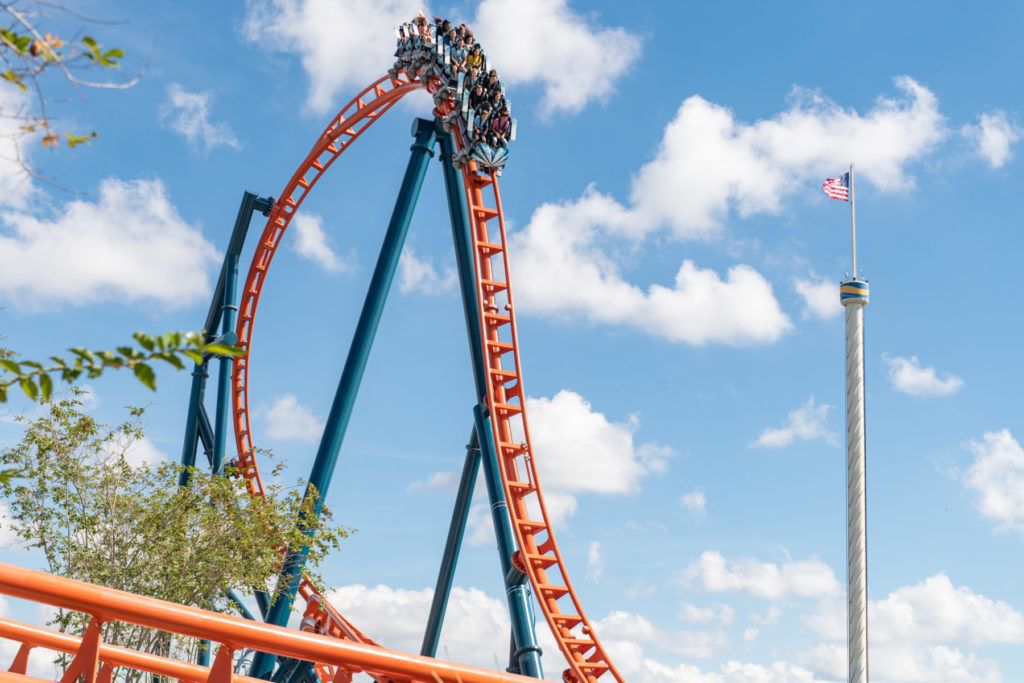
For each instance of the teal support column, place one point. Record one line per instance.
(526, 655)
(348, 386)
(223, 417)
(450, 558)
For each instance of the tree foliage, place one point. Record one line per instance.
(97, 516)
(35, 59)
(35, 380)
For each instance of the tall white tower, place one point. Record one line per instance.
(853, 294)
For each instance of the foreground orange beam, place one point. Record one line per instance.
(46, 639)
(235, 633)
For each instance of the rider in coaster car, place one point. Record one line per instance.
(497, 100)
(473, 77)
(477, 96)
(481, 123)
(492, 81)
(475, 60)
(500, 128)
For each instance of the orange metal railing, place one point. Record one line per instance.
(232, 633)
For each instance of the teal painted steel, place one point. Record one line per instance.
(355, 364)
(527, 654)
(196, 422)
(525, 658)
(223, 416)
(450, 558)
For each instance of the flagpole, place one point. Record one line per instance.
(853, 294)
(853, 224)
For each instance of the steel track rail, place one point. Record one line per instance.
(538, 556)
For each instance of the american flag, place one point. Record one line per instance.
(838, 187)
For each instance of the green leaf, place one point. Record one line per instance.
(172, 359)
(46, 385)
(194, 355)
(146, 375)
(30, 388)
(86, 40)
(223, 350)
(3, 393)
(144, 340)
(10, 366)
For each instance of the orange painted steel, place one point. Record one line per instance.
(538, 554)
(36, 637)
(233, 633)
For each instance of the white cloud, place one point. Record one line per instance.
(708, 162)
(696, 502)
(438, 481)
(137, 452)
(621, 631)
(997, 476)
(589, 57)
(418, 275)
(595, 562)
(993, 136)
(808, 578)
(14, 147)
(475, 626)
(692, 614)
(806, 423)
(8, 539)
(580, 451)
(287, 419)
(821, 297)
(188, 114)
(907, 375)
(129, 245)
(358, 34)
(915, 632)
(311, 243)
(560, 269)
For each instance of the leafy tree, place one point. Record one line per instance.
(34, 59)
(97, 516)
(34, 377)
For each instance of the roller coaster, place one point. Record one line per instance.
(327, 648)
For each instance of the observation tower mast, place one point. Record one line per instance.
(853, 294)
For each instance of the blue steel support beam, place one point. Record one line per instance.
(348, 386)
(193, 429)
(223, 416)
(527, 653)
(456, 530)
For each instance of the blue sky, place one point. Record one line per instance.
(676, 268)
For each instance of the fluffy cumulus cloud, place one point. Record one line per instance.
(917, 633)
(562, 271)
(997, 477)
(574, 59)
(289, 420)
(993, 137)
(357, 34)
(907, 375)
(806, 423)
(136, 452)
(579, 451)
(821, 297)
(129, 245)
(311, 243)
(709, 162)
(595, 561)
(419, 275)
(360, 35)
(692, 614)
(714, 573)
(475, 626)
(188, 114)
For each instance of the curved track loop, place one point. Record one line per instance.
(538, 557)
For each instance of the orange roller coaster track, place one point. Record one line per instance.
(538, 556)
